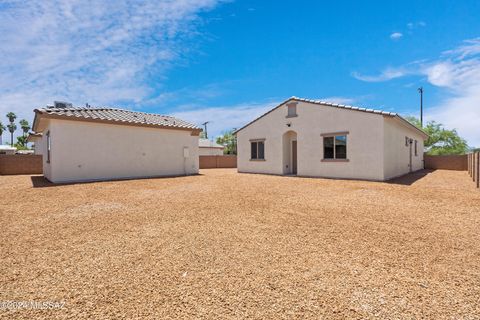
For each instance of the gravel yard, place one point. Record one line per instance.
(229, 245)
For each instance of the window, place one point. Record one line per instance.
(49, 146)
(257, 150)
(406, 141)
(340, 147)
(416, 151)
(291, 110)
(328, 147)
(335, 147)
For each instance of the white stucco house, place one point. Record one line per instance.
(7, 149)
(320, 139)
(209, 148)
(36, 139)
(90, 144)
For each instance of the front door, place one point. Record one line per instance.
(294, 157)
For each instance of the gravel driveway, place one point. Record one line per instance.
(229, 245)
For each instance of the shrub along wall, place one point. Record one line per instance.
(225, 161)
(21, 164)
(452, 162)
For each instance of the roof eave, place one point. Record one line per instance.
(263, 115)
(412, 126)
(39, 115)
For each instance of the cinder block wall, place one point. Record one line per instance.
(21, 164)
(453, 162)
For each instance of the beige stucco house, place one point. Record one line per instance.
(89, 144)
(320, 139)
(36, 139)
(209, 148)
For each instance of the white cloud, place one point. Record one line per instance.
(225, 117)
(458, 72)
(396, 35)
(387, 74)
(338, 100)
(101, 52)
(414, 25)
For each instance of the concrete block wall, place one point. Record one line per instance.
(20, 164)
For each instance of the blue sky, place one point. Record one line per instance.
(228, 62)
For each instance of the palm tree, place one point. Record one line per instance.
(11, 127)
(11, 117)
(2, 128)
(25, 126)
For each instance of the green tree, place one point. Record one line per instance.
(25, 126)
(11, 117)
(441, 141)
(228, 140)
(11, 127)
(415, 121)
(21, 143)
(2, 128)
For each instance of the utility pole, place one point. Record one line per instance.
(205, 126)
(421, 106)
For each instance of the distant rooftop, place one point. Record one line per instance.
(7, 147)
(205, 143)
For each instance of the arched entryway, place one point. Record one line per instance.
(290, 154)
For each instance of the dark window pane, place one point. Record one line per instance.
(253, 153)
(328, 147)
(341, 147)
(261, 150)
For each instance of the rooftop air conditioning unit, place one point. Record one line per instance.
(62, 104)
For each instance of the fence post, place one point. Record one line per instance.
(474, 167)
(474, 171)
(471, 165)
(478, 169)
(468, 163)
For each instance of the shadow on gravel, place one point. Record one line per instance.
(410, 178)
(42, 182)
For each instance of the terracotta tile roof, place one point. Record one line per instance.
(118, 116)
